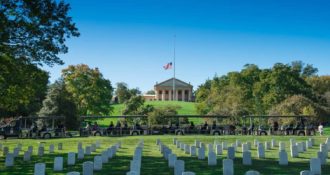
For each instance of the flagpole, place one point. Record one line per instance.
(174, 94)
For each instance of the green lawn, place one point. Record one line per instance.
(186, 108)
(154, 163)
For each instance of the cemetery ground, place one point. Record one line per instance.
(152, 160)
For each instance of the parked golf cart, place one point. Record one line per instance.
(10, 127)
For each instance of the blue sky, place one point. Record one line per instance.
(130, 41)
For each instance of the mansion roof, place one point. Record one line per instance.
(169, 83)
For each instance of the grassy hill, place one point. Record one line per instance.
(186, 107)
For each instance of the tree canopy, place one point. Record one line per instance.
(35, 30)
(90, 91)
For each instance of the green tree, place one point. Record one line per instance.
(59, 102)
(122, 92)
(151, 92)
(163, 116)
(133, 105)
(90, 91)
(35, 30)
(23, 86)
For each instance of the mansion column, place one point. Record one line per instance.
(183, 94)
(176, 95)
(189, 95)
(170, 95)
(163, 95)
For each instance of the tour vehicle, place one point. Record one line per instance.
(300, 125)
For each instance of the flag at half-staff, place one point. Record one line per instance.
(168, 66)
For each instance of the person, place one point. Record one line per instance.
(275, 126)
(110, 128)
(320, 129)
(251, 129)
(205, 126)
(214, 125)
(118, 125)
(192, 126)
(95, 127)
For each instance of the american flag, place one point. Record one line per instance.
(168, 66)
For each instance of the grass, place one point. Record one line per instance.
(152, 160)
(187, 108)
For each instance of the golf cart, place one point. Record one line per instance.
(10, 127)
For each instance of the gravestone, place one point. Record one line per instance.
(16, 152)
(267, 145)
(197, 143)
(218, 149)
(234, 146)
(41, 151)
(135, 165)
(249, 145)
(210, 147)
(324, 149)
(98, 144)
(312, 141)
(5, 151)
(81, 153)
(245, 147)
(212, 159)
(294, 151)
(39, 169)
(281, 146)
(255, 142)
(201, 153)
(110, 153)
(186, 149)
(97, 163)
(273, 143)
(131, 173)
(315, 166)
(178, 143)
(88, 168)
(27, 156)
(304, 146)
(157, 141)
(174, 141)
(228, 167)
(71, 158)
(261, 151)
(178, 167)
(292, 142)
(58, 164)
(41, 144)
(188, 173)
(322, 157)
(51, 148)
(309, 144)
(182, 146)
(251, 172)
(231, 153)
(60, 146)
(88, 150)
(192, 150)
(30, 149)
(73, 173)
(9, 160)
(283, 158)
(224, 145)
(305, 172)
(247, 158)
(80, 146)
(202, 145)
(105, 157)
(300, 147)
(93, 147)
(238, 143)
(171, 160)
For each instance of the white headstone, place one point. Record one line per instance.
(267, 145)
(261, 151)
(210, 147)
(309, 144)
(281, 146)
(249, 145)
(105, 157)
(88, 168)
(192, 150)
(80, 146)
(273, 143)
(255, 142)
(245, 147)
(178, 143)
(231, 153)
(71, 158)
(283, 158)
(9, 160)
(27, 156)
(58, 164)
(98, 144)
(300, 147)
(16, 152)
(39, 169)
(110, 154)
(171, 160)
(197, 143)
(41, 151)
(174, 141)
(212, 159)
(157, 141)
(30, 149)
(51, 148)
(218, 149)
(312, 141)
(93, 147)
(322, 157)
(238, 143)
(247, 158)
(60, 146)
(81, 153)
(315, 166)
(88, 150)
(73, 173)
(178, 167)
(251, 172)
(97, 163)
(201, 153)
(294, 151)
(305, 172)
(182, 146)
(186, 149)
(228, 167)
(224, 145)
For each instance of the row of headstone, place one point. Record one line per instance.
(135, 164)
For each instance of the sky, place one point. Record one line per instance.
(130, 41)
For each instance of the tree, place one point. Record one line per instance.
(151, 92)
(22, 87)
(59, 102)
(90, 91)
(163, 116)
(122, 92)
(133, 104)
(35, 30)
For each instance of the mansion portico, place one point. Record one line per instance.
(164, 91)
